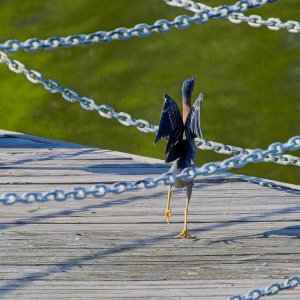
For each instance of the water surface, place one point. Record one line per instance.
(249, 76)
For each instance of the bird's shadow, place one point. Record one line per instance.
(290, 231)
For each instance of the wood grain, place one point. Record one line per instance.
(118, 247)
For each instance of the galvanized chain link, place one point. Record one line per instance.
(188, 174)
(237, 18)
(126, 119)
(270, 290)
(203, 14)
(271, 23)
(285, 159)
(123, 33)
(270, 184)
(70, 95)
(195, 7)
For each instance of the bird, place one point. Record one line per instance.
(180, 132)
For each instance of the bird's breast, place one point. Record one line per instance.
(180, 183)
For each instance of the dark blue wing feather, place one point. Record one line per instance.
(171, 125)
(192, 124)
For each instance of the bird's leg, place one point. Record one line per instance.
(168, 211)
(184, 233)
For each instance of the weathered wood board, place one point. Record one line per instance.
(119, 247)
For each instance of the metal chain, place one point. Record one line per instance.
(70, 95)
(188, 174)
(271, 23)
(285, 159)
(126, 119)
(270, 290)
(269, 184)
(237, 18)
(141, 30)
(203, 14)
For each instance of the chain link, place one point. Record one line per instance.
(270, 290)
(126, 119)
(271, 23)
(203, 14)
(269, 184)
(188, 174)
(242, 156)
(70, 95)
(285, 159)
(237, 18)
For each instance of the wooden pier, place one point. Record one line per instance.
(118, 247)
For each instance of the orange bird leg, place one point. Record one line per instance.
(184, 233)
(168, 211)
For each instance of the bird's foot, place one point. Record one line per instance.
(184, 234)
(167, 216)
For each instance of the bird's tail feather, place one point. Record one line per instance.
(180, 149)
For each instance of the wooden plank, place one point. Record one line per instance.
(119, 247)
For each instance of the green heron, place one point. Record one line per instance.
(180, 132)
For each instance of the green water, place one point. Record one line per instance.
(249, 76)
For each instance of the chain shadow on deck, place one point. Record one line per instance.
(48, 158)
(125, 201)
(67, 265)
(122, 169)
(72, 263)
(109, 203)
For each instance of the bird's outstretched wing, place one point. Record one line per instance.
(192, 124)
(170, 126)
